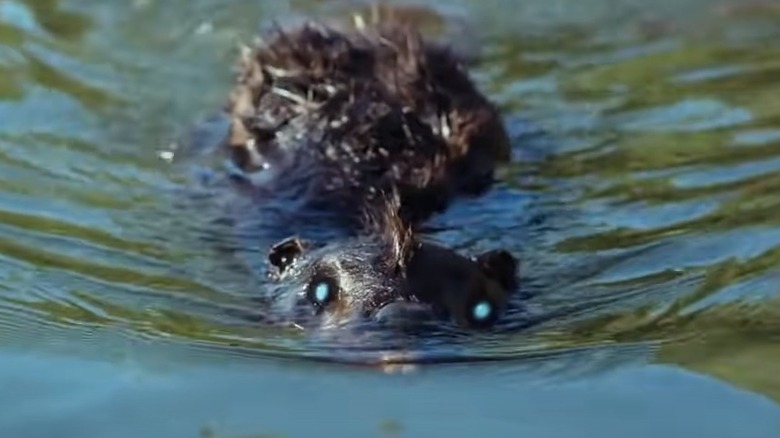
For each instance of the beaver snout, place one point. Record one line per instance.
(404, 314)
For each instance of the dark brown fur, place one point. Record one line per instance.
(382, 110)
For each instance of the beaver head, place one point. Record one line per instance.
(388, 276)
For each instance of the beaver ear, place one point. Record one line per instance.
(284, 253)
(501, 266)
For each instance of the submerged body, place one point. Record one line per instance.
(332, 119)
(366, 133)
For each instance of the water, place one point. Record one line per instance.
(643, 207)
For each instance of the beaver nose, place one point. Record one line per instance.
(404, 313)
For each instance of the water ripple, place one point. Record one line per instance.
(644, 210)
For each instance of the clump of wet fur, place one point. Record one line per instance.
(382, 218)
(352, 114)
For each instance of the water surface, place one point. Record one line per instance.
(643, 204)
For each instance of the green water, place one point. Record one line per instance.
(644, 206)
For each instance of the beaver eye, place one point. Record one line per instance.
(322, 291)
(482, 313)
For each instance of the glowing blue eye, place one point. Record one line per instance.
(482, 310)
(322, 292)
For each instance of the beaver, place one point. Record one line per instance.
(389, 274)
(367, 131)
